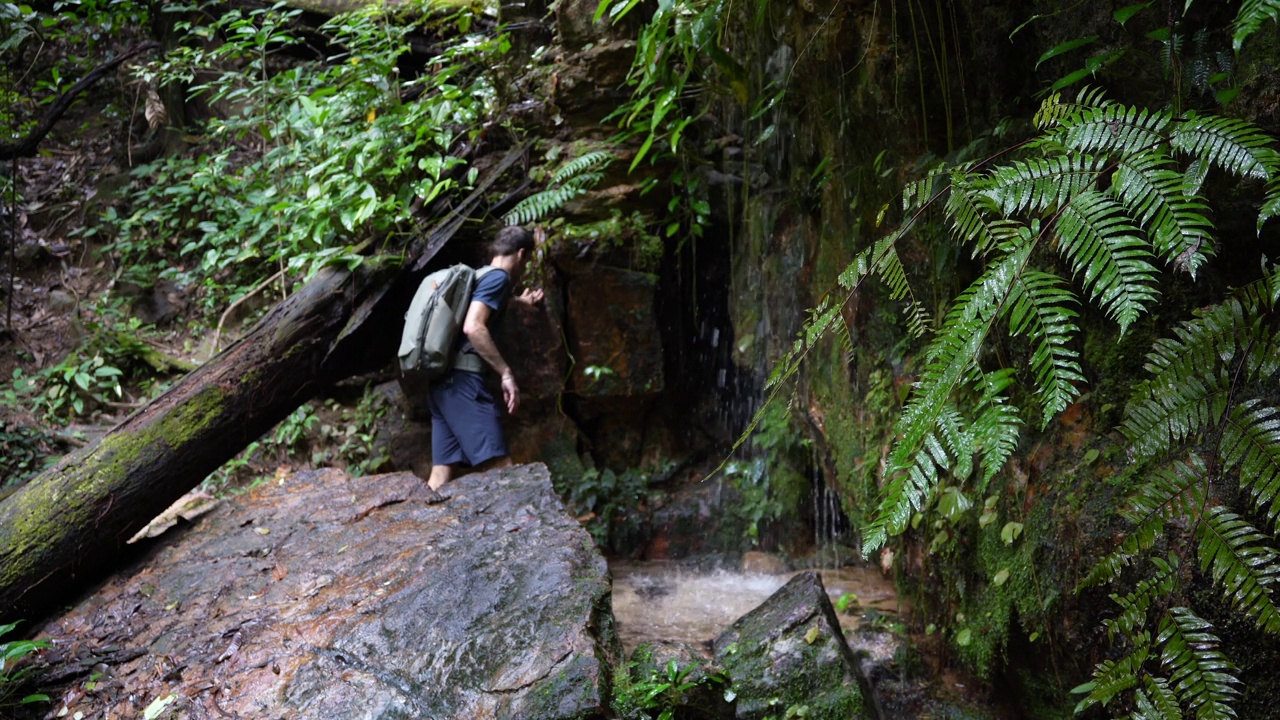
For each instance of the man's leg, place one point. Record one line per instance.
(440, 474)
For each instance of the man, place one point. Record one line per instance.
(465, 428)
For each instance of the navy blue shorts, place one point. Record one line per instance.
(464, 421)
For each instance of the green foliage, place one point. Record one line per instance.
(308, 165)
(606, 501)
(658, 694)
(573, 179)
(24, 451)
(12, 677)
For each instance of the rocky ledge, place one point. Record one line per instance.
(321, 596)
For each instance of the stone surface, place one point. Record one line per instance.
(612, 324)
(789, 652)
(319, 596)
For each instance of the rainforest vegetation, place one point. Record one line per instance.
(1032, 343)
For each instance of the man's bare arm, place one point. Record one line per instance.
(476, 328)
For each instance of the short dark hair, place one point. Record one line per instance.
(510, 240)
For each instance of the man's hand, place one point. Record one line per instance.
(510, 392)
(530, 296)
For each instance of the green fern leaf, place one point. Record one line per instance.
(1231, 551)
(974, 217)
(1116, 129)
(1235, 145)
(1167, 493)
(1158, 702)
(1135, 603)
(1112, 677)
(1053, 111)
(997, 426)
(1253, 13)
(1096, 238)
(1039, 308)
(1270, 205)
(1199, 673)
(1251, 444)
(590, 161)
(1155, 195)
(1039, 184)
(913, 466)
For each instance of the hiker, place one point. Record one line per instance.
(464, 414)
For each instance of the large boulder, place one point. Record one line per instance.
(791, 652)
(319, 596)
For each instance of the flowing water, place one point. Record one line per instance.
(663, 601)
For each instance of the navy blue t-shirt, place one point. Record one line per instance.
(491, 289)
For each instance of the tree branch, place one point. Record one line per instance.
(27, 146)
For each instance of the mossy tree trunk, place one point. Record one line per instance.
(67, 526)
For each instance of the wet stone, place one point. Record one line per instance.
(322, 596)
(790, 653)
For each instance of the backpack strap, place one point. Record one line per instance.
(471, 361)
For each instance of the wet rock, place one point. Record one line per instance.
(613, 331)
(704, 683)
(588, 82)
(791, 652)
(696, 521)
(319, 596)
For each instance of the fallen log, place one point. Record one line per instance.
(69, 525)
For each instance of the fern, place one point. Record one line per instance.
(1253, 13)
(1096, 238)
(572, 180)
(1270, 206)
(1156, 701)
(1157, 196)
(1235, 145)
(1232, 553)
(1041, 184)
(1040, 307)
(1135, 604)
(1199, 673)
(1251, 443)
(1112, 677)
(1115, 129)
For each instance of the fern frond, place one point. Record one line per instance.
(918, 193)
(919, 320)
(541, 204)
(1231, 551)
(1199, 673)
(1168, 493)
(1192, 372)
(1155, 195)
(975, 217)
(1237, 146)
(1097, 240)
(890, 270)
(1039, 308)
(1112, 677)
(1156, 701)
(1135, 603)
(582, 181)
(1253, 13)
(1270, 205)
(1251, 443)
(590, 161)
(913, 466)
(1053, 111)
(1042, 183)
(1119, 129)
(996, 428)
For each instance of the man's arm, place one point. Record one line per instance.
(476, 328)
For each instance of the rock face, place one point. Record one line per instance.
(789, 652)
(319, 596)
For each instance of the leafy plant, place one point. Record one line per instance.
(573, 179)
(336, 157)
(658, 694)
(12, 652)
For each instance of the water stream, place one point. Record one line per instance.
(658, 600)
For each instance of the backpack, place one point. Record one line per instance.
(431, 326)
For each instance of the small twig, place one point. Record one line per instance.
(223, 319)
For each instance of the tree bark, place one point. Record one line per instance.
(73, 520)
(69, 525)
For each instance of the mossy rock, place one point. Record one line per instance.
(790, 652)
